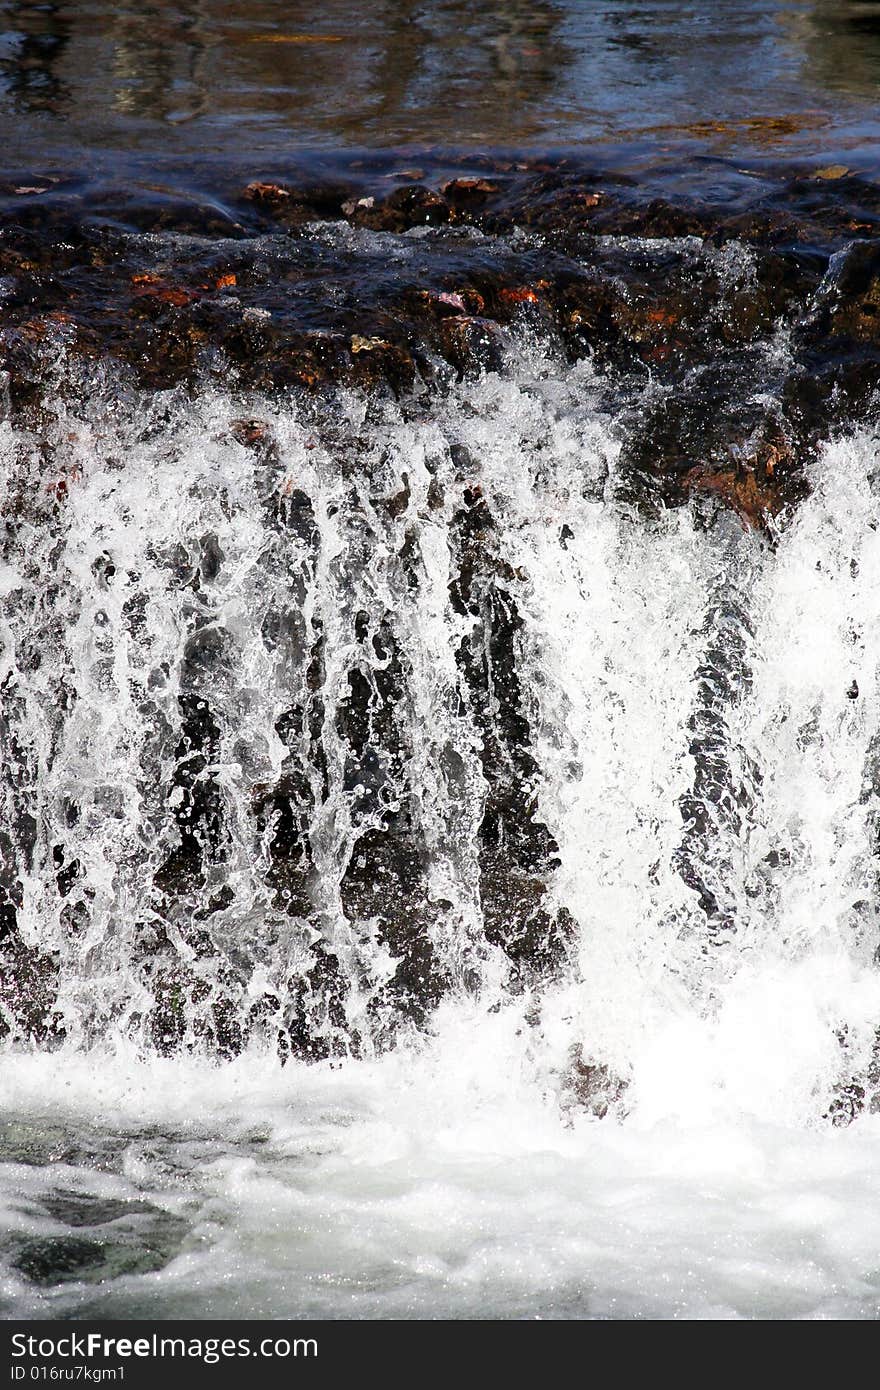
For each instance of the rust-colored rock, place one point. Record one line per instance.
(519, 294)
(757, 487)
(271, 195)
(468, 193)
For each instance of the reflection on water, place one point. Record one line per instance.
(840, 40)
(394, 71)
(214, 75)
(30, 54)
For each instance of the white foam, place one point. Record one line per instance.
(442, 1182)
(452, 1176)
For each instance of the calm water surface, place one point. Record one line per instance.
(220, 78)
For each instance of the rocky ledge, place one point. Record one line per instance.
(754, 312)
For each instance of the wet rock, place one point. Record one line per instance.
(852, 307)
(277, 327)
(413, 205)
(197, 1000)
(468, 193)
(758, 483)
(82, 1209)
(855, 1093)
(656, 219)
(55, 1259)
(28, 991)
(376, 361)
(471, 345)
(249, 432)
(313, 1019)
(286, 810)
(384, 889)
(385, 885)
(137, 1239)
(196, 795)
(272, 195)
(517, 852)
(295, 205)
(590, 1087)
(847, 1105)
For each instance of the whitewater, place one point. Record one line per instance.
(679, 1119)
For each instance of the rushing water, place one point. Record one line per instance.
(241, 740)
(436, 879)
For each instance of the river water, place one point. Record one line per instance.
(194, 78)
(443, 887)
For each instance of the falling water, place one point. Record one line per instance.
(433, 885)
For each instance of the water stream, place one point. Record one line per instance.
(433, 886)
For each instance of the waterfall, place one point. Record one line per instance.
(313, 721)
(395, 786)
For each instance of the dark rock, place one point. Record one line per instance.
(590, 1087)
(517, 852)
(413, 205)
